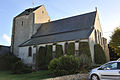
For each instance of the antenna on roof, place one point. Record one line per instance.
(33, 3)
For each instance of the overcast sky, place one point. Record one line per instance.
(108, 10)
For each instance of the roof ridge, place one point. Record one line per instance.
(71, 17)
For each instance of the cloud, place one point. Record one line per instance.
(6, 38)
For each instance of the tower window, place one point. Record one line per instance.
(30, 51)
(22, 23)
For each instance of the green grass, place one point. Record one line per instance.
(6, 75)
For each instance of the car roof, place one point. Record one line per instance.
(113, 61)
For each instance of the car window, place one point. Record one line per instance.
(110, 66)
(118, 65)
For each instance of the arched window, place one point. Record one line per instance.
(100, 39)
(66, 46)
(95, 36)
(98, 33)
(30, 51)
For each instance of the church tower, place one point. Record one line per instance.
(26, 24)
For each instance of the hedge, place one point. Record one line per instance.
(58, 51)
(99, 55)
(84, 49)
(71, 48)
(48, 54)
(41, 56)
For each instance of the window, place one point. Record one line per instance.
(100, 39)
(118, 66)
(98, 33)
(95, 36)
(22, 23)
(110, 66)
(66, 46)
(30, 51)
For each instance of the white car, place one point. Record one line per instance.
(108, 71)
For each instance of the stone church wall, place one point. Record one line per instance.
(25, 26)
(23, 31)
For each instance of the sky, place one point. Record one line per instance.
(108, 10)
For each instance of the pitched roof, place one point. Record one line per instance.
(28, 11)
(67, 24)
(72, 28)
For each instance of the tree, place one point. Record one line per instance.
(48, 54)
(99, 55)
(41, 56)
(71, 48)
(115, 40)
(59, 51)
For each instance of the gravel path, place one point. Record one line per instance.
(71, 77)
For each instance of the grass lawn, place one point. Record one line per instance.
(6, 75)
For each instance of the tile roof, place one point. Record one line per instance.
(72, 28)
(28, 11)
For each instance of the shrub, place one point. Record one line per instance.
(99, 55)
(59, 51)
(85, 62)
(41, 57)
(48, 54)
(19, 68)
(71, 48)
(6, 60)
(64, 65)
(84, 48)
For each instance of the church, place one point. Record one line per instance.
(32, 28)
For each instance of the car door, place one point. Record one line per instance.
(110, 71)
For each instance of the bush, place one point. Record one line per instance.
(85, 62)
(64, 65)
(41, 57)
(48, 54)
(7, 60)
(84, 48)
(59, 51)
(99, 55)
(71, 48)
(20, 68)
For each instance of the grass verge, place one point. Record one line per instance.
(7, 75)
